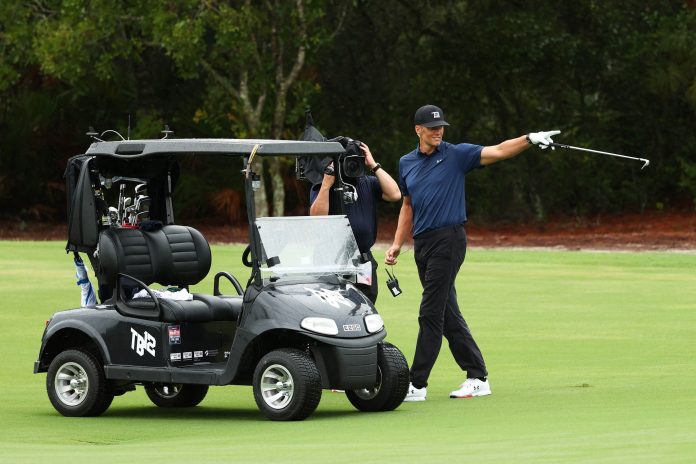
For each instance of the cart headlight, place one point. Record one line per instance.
(374, 323)
(320, 325)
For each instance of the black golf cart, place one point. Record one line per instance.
(298, 327)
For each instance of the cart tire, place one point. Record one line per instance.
(393, 382)
(287, 385)
(176, 395)
(76, 384)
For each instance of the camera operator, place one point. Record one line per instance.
(362, 212)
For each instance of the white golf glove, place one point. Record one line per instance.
(542, 139)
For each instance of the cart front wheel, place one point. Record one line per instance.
(287, 385)
(392, 382)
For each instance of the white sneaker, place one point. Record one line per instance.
(471, 388)
(415, 394)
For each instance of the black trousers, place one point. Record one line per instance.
(439, 255)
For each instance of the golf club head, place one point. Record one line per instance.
(646, 163)
(140, 200)
(140, 188)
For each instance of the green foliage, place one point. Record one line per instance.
(615, 77)
(244, 51)
(79, 40)
(15, 35)
(611, 77)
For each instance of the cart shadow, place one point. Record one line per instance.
(201, 413)
(207, 414)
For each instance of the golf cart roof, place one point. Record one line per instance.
(155, 163)
(228, 147)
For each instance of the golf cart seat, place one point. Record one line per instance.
(173, 256)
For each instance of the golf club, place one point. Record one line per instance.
(123, 212)
(129, 216)
(121, 195)
(140, 200)
(645, 162)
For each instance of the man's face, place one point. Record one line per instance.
(430, 137)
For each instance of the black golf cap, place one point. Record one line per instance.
(430, 116)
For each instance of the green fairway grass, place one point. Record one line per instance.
(592, 358)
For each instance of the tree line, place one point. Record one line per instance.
(613, 76)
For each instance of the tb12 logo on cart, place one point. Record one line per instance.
(330, 297)
(142, 343)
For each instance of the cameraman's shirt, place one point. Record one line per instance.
(362, 214)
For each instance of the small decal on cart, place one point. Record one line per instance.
(197, 354)
(175, 357)
(211, 353)
(351, 327)
(188, 355)
(174, 335)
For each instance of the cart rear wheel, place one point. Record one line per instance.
(76, 384)
(287, 385)
(392, 382)
(176, 395)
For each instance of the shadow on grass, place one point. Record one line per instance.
(200, 413)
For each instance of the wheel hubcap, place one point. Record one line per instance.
(71, 384)
(370, 393)
(168, 390)
(277, 386)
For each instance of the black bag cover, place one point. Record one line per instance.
(83, 215)
(311, 168)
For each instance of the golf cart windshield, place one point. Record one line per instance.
(316, 245)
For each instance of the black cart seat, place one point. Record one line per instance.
(174, 255)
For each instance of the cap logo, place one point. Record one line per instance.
(436, 114)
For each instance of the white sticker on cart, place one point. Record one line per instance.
(188, 355)
(197, 354)
(175, 357)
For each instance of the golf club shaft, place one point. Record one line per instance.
(570, 147)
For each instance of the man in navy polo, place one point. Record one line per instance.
(432, 179)
(362, 214)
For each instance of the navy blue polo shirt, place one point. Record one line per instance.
(435, 184)
(362, 214)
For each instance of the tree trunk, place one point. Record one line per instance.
(283, 84)
(260, 196)
(275, 170)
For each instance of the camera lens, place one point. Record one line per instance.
(354, 166)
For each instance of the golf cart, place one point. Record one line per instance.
(298, 327)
